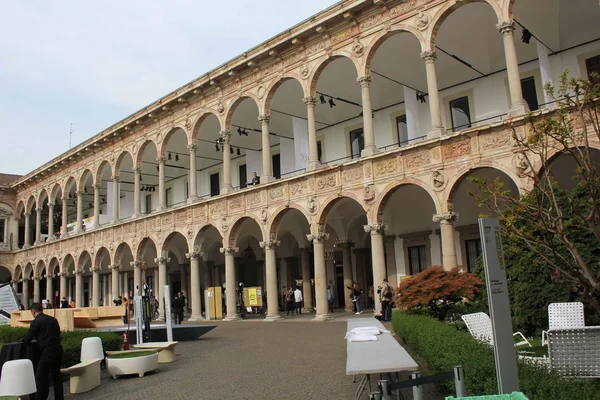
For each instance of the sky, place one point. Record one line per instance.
(92, 64)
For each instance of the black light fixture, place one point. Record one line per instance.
(176, 156)
(239, 153)
(526, 38)
(85, 189)
(230, 150)
(421, 97)
(141, 177)
(331, 103)
(322, 98)
(244, 132)
(217, 147)
(239, 131)
(170, 157)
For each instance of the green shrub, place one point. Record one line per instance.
(442, 347)
(71, 341)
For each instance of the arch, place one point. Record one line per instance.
(42, 196)
(84, 177)
(140, 153)
(56, 189)
(199, 120)
(314, 79)
(443, 13)
(120, 250)
(172, 131)
(234, 232)
(40, 266)
(280, 212)
(20, 208)
(120, 159)
(274, 86)
(27, 271)
(70, 183)
(68, 260)
(508, 9)
(555, 153)
(464, 172)
(234, 105)
(100, 170)
(83, 259)
(323, 213)
(100, 254)
(17, 273)
(52, 265)
(170, 245)
(383, 36)
(390, 189)
(200, 237)
(31, 203)
(139, 255)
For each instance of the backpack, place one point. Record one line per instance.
(386, 293)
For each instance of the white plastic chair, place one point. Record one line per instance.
(91, 348)
(480, 327)
(17, 378)
(564, 315)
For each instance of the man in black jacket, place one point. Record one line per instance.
(46, 331)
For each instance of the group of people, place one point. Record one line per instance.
(293, 300)
(386, 295)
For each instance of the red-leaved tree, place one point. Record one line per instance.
(437, 289)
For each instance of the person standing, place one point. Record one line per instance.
(183, 304)
(46, 330)
(64, 303)
(386, 293)
(356, 295)
(330, 298)
(125, 303)
(289, 301)
(255, 179)
(177, 308)
(298, 299)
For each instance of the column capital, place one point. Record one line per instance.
(448, 217)
(269, 244)
(96, 186)
(192, 147)
(61, 274)
(96, 269)
(78, 272)
(264, 118)
(310, 101)
(194, 254)
(114, 266)
(429, 55)
(364, 81)
(136, 264)
(50, 205)
(229, 250)
(344, 243)
(79, 193)
(506, 27)
(161, 160)
(115, 178)
(39, 209)
(375, 228)
(136, 170)
(162, 260)
(225, 136)
(27, 214)
(50, 276)
(37, 278)
(317, 237)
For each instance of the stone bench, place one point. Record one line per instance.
(131, 365)
(85, 376)
(166, 350)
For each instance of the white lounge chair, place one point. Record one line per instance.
(85, 376)
(564, 315)
(480, 327)
(575, 351)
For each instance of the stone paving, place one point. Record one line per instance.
(289, 359)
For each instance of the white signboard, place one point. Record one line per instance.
(167, 301)
(495, 280)
(137, 301)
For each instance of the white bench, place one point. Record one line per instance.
(85, 376)
(166, 350)
(377, 357)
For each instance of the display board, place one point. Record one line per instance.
(253, 296)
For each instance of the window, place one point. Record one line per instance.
(402, 130)
(148, 203)
(529, 93)
(473, 251)
(593, 67)
(460, 113)
(357, 142)
(417, 259)
(2, 230)
(214, 185)
(242, 173)
(319, 150)
(187, 189)
(168, 194)
(276, 166)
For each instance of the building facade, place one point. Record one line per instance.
(364, 124)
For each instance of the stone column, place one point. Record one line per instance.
(183, 279)
(446, 222)
(78, 288)
(347, 260)
(230, 283)
(25, 293)
(27, 232)
(136, 191)
(50, 222)
(50, 289)
(195, 295)
(518, 104)
(437, 128)
(162, 190)
(38, 225)
(267, 161)
(378, 257)
(36, 288)
(96, 205)
(318, 240)
(313, 150)
(15, 286)
(271, 286)
(64, 291)
(114, 274)
(369, 134)
(390, 251)
(193, 192)
(65, 220)
(79, 222)
(96, 286)
(225, 140)
(137, 275)
(115, 199)
(207, 273)
(162, 281)
(105, 299)
(306, 285)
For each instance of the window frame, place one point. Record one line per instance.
(398, 133)
(422, 258)
(361, 146)
(471, 268)
(464, 126)
(537, 101)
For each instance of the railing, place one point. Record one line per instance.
(402, 143)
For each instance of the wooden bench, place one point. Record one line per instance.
(85, 376)
(71, 318)
(166, 350)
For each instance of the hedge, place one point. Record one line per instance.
(442, 347)
(71, 341)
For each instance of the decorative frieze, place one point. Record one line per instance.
(327, 181)
(385, 167)
(457, 149)
(495, 140)
(417, 160)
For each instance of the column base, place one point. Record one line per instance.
(349, 310)
(369, 151)
(308, 310)
(26, 246)
(136, 215)
(271, 318)
(160, 208)
(114, 222)
(267, 179)
(435, 132)
(323, 317)
(518, 110)
(235, 317)
(312, 165)
(226, 189)
(192, 199)
(50, 239)
(194, 318)
(37, 243)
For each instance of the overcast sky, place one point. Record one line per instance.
(94, 63)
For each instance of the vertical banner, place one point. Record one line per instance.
(253, 164)
(167, 294)
(287, 157)
(412, 113)
(137, 302)
(301, 150)
(497, 289)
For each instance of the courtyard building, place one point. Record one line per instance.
(364, 124)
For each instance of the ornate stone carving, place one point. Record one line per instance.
(194, 254)
(429, 56)
(438, 180)
(448, 217)
(417, 160)
(264, 215)
(384, 167)
(403, 8)
(368, 193)
(327, 181)
(375, 228)
(276, 193)
(229, 250)
(167, 220)
(220, 108)
(225, 136)
(224, 224)
(162, 260)
(506, 27)
(422, 21)
(298, 188)
(310, 101)
(253, 199)
(364, 81)
(192, 147)
(136, 264)
(457, 149)
(216, 207)
(200, 212)
(520, 164)
(269, 244)
(235, 203)
(317, 47)
(494, 140)
(317, 237)
(371, 21)
(188, 124)
(342, 35)
(353, 174)
(305, 71)
(358, 48)
(311, 205)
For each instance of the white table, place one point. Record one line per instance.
(377, 357)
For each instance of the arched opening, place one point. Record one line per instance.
(124, 170)
(71, 209)
(86, 187)
(177, 167)
(246, 144)
(67, 283)
(209, 162)
(208, 241)
(149, 173)
(101, 294)
(43, 210)
(563, 169)
(27, 287)
(83, 296)
(123, 285)
(175, 248)
(106, 188)
(57, 210)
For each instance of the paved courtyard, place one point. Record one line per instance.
(290, 359)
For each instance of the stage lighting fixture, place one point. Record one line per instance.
(176, 157)
(230, 150)
(322, 98)
(170, 156)
(526, 38)
(331, 103)
(239, 131)
(239, 153)
(421, 97)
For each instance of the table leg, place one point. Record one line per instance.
(361, 386)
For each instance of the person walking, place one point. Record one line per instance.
(298, 300)
(289, 301)
(46, 331)
(386, 292)
(330, 298)
(356, 295)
